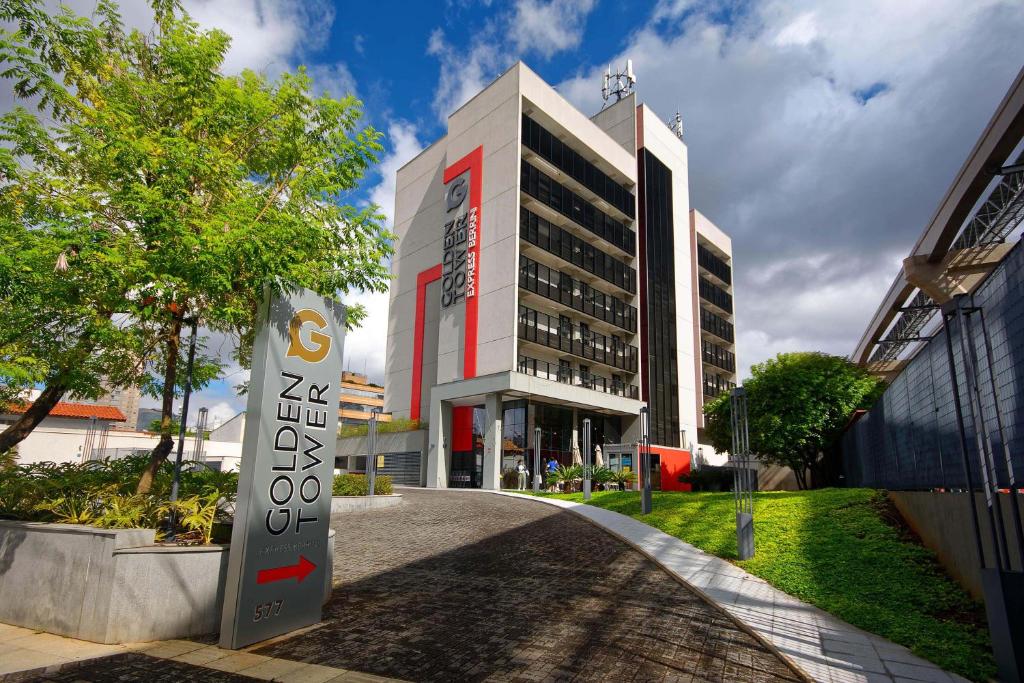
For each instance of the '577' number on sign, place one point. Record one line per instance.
(267, 610)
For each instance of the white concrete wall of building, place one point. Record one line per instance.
(231, 430)
(61, 440)
(419, 216)
(618, 120)
(656, 137)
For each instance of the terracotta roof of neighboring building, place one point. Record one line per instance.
(82, 411)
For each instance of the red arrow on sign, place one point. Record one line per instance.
(299, 571)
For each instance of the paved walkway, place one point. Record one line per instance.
(27, 655)
(819, 644)
(470, 586)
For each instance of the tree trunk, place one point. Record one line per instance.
(163, 448)
(31, 418)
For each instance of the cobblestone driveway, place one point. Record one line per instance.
(472, 586)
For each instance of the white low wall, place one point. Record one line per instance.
(360, 503)
(112, 585)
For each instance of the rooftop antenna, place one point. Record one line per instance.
(619, 84)
(677, 125)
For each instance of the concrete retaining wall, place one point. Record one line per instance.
(111, 585)
(943, 521)
(389, 442)
(361, 503)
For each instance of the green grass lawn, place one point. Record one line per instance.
(834, 549)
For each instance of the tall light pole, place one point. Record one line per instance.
(184, 410)
(371, 453)
(586, 459)
(645, 461)
(536, 460)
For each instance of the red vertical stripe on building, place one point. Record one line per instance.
(422, 280)
(474, 163)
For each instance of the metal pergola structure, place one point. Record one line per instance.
(997, 217)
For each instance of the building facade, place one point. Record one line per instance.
(549, 270)
(360, 398)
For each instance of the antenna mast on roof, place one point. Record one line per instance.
(620, 84)
(677, 125)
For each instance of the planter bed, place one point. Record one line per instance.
(112, 585)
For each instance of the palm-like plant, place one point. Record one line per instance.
(195, 513)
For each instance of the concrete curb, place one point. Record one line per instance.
(815, 644)
(341, 504)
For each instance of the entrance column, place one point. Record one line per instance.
(439, 443)
(492, 442)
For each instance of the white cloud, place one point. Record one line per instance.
(821, 189)
(539, 28)
(403, 146)
(335, 79)
(364, 346)
(547, 28)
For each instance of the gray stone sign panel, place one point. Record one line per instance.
(279, 541)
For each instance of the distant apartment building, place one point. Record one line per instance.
(550, 270)
(359, 399)
(125, 399)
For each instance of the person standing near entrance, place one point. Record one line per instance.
(521, 474)
(552, 468)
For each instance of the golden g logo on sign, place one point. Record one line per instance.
(322, 342)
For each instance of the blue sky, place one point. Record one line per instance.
(821, 135)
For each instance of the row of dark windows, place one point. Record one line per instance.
(716, 384)
(548, 191)
(716, 325)
(715, 355)
(565, 373)
(663, 372)
(558, 332)
(569, 161)
(709, 291)
(713, 264)
(563, 288)
(568, 247)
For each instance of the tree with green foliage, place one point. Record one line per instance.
(799, 404)
(168, 191)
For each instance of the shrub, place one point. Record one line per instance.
(102, 493)
(396, 425)
(708, 478)
(357, 485)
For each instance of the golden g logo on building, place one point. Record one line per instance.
(296, 347)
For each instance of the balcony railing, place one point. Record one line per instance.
(572, 163)
(566, 374)
(711, 292)
(713, 264)
(570, 248)
(716, 325)
(561, 287)
(717, 356)
(716, 384)
(578, 340)
(550, 192)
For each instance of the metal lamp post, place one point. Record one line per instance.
(184, 410)
(742, 475)
(645, 461)
(371, 453)
(536, 460)
(586, 459)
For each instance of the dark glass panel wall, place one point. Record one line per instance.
(662, 371)
(711, 292)
(569, 161)
(550, 192)
(563, 288)
(559, 333)
(716, 325)
(715, 355)
(552, 239)
(716, 266)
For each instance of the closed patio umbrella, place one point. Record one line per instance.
(577, 457)
(598, 456)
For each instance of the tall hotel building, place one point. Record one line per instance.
(549, 269)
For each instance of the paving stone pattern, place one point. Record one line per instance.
(471, 586)
(128, 667)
